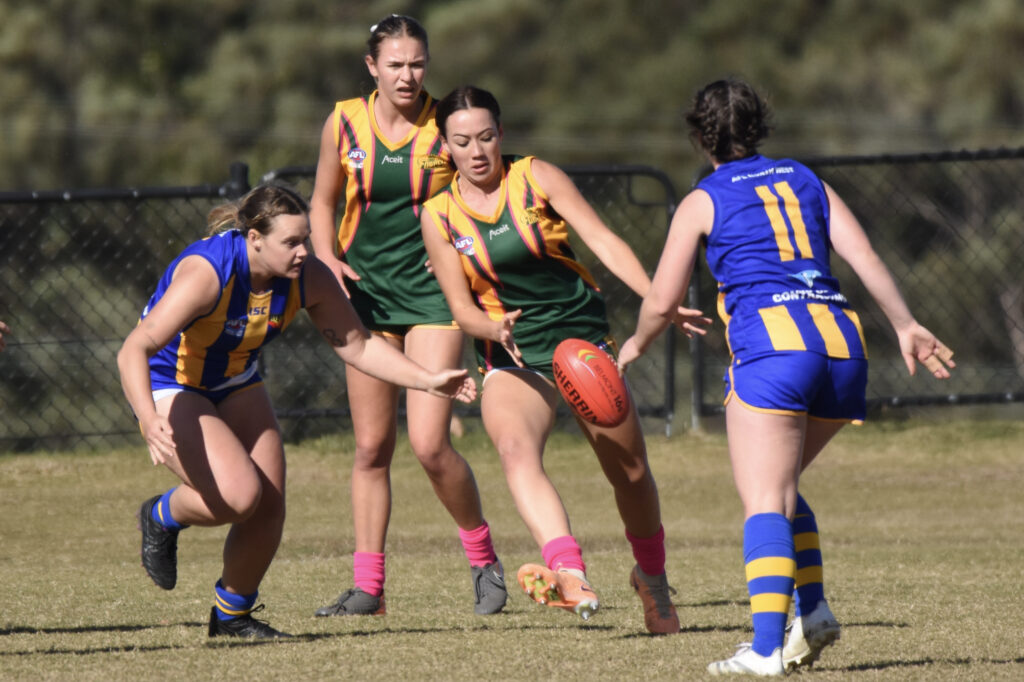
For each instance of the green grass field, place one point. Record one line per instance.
(921, 524)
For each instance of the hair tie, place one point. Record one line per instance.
(373, 29)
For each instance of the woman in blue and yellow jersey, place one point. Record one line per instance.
(498, 240)
(799, 365)
(189, 372)
(383, 152)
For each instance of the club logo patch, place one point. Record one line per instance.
(431, 162)
(533, 215)
(464, 245)
(806, 276)
(356, 157)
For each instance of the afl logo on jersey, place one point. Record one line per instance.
(356, 156)
(465, 246)
(235, 327)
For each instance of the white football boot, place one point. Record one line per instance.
(808, 635)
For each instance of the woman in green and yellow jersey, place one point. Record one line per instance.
(498, 240)
(384, 154)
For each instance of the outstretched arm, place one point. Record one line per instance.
(613, 251)
(851, 243)
(332, 313)
(691, 221)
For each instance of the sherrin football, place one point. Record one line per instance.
(590, 383)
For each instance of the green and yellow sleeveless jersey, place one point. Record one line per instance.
(520, 259)
(386, 183)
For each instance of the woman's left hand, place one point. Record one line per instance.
(690, 321)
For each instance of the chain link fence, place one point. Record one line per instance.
(950, 226)
(76, 267)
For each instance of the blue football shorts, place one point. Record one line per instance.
(800, 382)
(163, 387)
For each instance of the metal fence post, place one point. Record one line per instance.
(238, 181)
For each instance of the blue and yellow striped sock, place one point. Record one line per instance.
(810, 588)
(231, 605)
(770, 566)
(162, 512)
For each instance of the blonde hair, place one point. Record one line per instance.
(256, 210)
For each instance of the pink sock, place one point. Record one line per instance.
(368, 572)
(649, 552)
(563, 552)
(478, 546)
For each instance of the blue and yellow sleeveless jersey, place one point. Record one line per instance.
(386, 183)
(224, 342)
(520, 258)
(769, 251)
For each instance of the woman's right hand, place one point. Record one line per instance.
(159, 438)
(341, 270)
(629, 352)
(506, 338)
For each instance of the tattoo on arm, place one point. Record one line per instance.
(333, 338)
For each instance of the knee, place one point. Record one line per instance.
(239, 503)
(624, 463)
(375, 454)
(639, 474)
(435, 455)
(518, 455)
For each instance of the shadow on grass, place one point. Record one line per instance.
(94, 650)
(223, 642)
(25, 630)
(354, 634)
(83, 629)
(715, 602)
(687, 629)
(875, 624)
(915, 663)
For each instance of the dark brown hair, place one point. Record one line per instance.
(728, 120)
(256, 210)
(465, 97)
(395, 26)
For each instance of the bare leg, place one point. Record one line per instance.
(519, 412)
(429, 426)
(232, 469)
(251, 544)
(374, 406)
(818, 435)
(766, 453)
(623, 457)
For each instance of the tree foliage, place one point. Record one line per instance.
(171, 91)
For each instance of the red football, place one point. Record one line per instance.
(590, 383)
